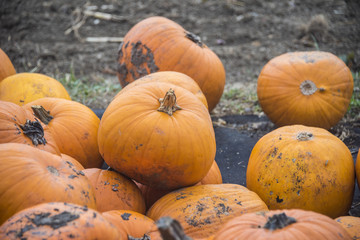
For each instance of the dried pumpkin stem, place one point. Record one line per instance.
(34, 131)
(42, 114)
(170, 229)
(195, 38)
(304, 136)
(168, 103)
(279, 221)
(308, 87)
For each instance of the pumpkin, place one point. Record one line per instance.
(302, 167)
(307, 88)
(74, 127)
(357, 169)
(30, 176)
(22, 88)
(351, 224)
(282, 224)
(152, 194)
(6, 66)
(132, 224)
(160, 44)
(19, 126)
(202, 209)
(158, 134)
(114, 191)
(172, 77)
(58, 220)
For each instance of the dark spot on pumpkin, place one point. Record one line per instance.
(274, 152)
(86, 194)
(22, 100)
(94, 215)
(221, 209)
(21, 231)
(56, 221)
(106, 183)
(71, 186)
(280, 155)
(70, 163)
(71, 235)
(279, 200)
(53, 170)
(180, 197)
(56, 209)
(72, 176)
(114, 189)
(239, 203)
(125, 216)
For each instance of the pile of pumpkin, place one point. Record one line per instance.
(67, 174)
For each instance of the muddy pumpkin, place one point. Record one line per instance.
(302, 167)
(202, 209)
(159, 44)
(58, 220)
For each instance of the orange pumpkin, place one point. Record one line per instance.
(202, 209)
(58, 220)
(114, 191)
(132, 224)
(172, 77)
(357, 169)
(159, 44)
(158, 134)
(6, 66)
(22, 88)
(30, 176)
(307, 88)
(282, 224)
(74, 127)
(351, 224)
(302, 167)
(152, 194)
(19, 126)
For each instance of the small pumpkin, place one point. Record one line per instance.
(351, 224)
(58, 220)
(6, 66)
(18, 125)
(74, 127)
(30, 176)
(307, 88)
(282, 224)
(132, 225)
(152, 194)
(22, 88)
(113, 191)
(160, 44)
(302, 167)
(202, 209)
(172, 77)
(158, 134)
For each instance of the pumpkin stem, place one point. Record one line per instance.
(168, 103)
(145, 237)
(171, 229)
(195, 38)
(304, 136)
(279, 221)
(34, 131)
(42, 114)
(308, 87)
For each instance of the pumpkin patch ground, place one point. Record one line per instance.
(77, 43)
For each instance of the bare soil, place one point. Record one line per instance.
(50, 37)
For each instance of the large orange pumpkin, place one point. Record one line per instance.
(159, 44)
(351, 224)
(282, 224)
(202, 209)
(308, 88)
(113, 191)
(58, 220)
(132, 225)
(74, 127)
(30, 176)
(172, 77)
(302, 167)
(6, 66)
(158, 134)
(18, 125)
(22, 88)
